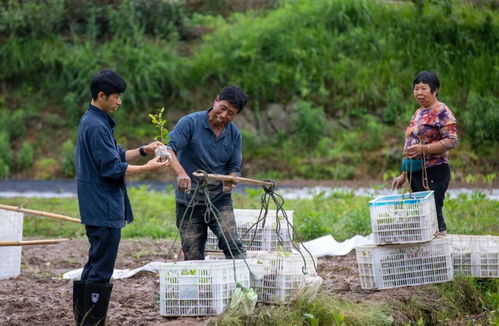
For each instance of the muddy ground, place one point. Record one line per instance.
(39, 296)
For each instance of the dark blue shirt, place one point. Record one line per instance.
(100, 172)
(197, 148)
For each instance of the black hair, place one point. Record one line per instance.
(107, 81)
(234, 95)
(429, 78)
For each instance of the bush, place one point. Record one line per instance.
(482, 120)
(4, 169)
(45, 168)
(5, 149)
(68, 159)
(309, 124)
(25, 156)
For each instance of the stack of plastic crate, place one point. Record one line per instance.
(277, 275)
(408, 223)
(474, 255)
(273, 235)
(11, 229)
(199, 288)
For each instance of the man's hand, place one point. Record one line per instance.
(183, 182)
(398, 182)
(150, 149)
(227, 186)
(155, 164)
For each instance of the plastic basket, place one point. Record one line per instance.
(11, 229)
(262, 237)
(384, 267)
(276, 276)
(200, 287)
(474, 255)
(406, 218)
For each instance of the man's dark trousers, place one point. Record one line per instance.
(92, 293)
(104, 244)
(194, 230)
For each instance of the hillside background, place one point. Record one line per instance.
(329, 81)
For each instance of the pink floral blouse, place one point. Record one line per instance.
(434, 124)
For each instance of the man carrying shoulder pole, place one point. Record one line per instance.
(209, 141)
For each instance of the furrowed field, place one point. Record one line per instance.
(463, 301)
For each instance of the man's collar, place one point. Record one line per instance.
(103, 114)
(206, 121)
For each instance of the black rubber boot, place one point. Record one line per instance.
(78, 301)
(96, 302)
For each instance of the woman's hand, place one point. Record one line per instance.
(415, 151)
(398, 182)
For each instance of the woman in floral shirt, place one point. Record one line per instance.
(430, 135)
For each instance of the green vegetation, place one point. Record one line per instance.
(341, 215)
(331, 78)
(451, 301)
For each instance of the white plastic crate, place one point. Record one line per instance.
(384, 267)
(474, 255)
(405, 218)
(276, 275)
(11, 229)
(199, 287)
(261, 238)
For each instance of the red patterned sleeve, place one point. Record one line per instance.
(448, 129)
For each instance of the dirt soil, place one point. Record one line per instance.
(39, 296)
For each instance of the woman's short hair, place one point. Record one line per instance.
(429, 78)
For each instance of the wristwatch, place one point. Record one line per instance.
(142, 151)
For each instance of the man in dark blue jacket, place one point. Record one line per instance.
(101, 167)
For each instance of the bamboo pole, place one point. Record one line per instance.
(40, 213)
(30, 242)
(222, 177)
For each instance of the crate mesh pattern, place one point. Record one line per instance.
(261, 237)
(11, 229)
(278, 275)
(384, 267)
(199, 288)
(405, 218)
(474, 255)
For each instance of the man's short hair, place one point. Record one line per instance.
(429, 78)
(234, 95)
(107, 81)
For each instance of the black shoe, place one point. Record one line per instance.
(78, 301)
(96, 303)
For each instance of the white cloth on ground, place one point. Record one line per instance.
(328, 246)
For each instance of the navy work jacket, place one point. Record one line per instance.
(100, 172)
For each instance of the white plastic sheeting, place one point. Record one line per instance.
(320, 247)
(328, 246)
(118, 273)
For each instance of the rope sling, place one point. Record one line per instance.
(201, 197)
(424, 172)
